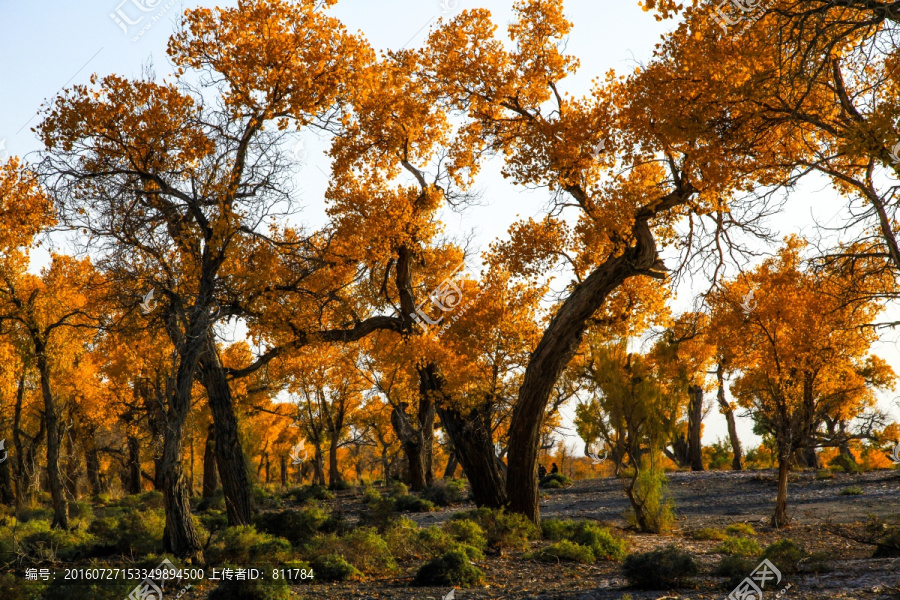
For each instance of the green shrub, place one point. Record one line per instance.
(332, 567)
(296, 526)
(307, 493)
(244, 545)
(785, 554)
(842, 462)
(35, 514)
(601, 542)
(650, 491)
(452, 569)
(444, 493)
(341, 485)
(708, 533)
(214, 520)
(398, 488)
(410, 503)
(739, 546)
(467, 532)
(853, 490)
(554, 481)
(367, 551)
(824, 474)
(563, 551)
(735, 568)
(16, 587)
(147, 500)
(504, 530)
(663, 569)
(740, 529)
(557, 529)
(140, 532)
(371, 495)
(381, 514)
(41, 541)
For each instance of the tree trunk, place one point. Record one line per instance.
(285, 475)
(737, 460)
(73, 469)
(425, 418)
(229, 453)
(57, 495)
(412, 443)
(334, 472)
(555, 350)
(695, 422)
(210, 475)
(22, 483)
(780, 518)
(92, 464)
(452, 463)
(474, 448)
(135, 486)
(318, 464)
(7, 496)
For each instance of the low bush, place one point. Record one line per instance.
(555, 481)
(250, 589)
(557, 529)
(739, 546)
(451, 569)
(410, 503)
(853, 490)
(663, 569)
(786, 554)
(308, 493)
(444, 493)
(18, 588)
(824, 474)
(371, 495)
(563, 551)
(331, 567)
(296, 526)
(740, 529)
(842, 462)
(152, 499)
(735, 568)
(366, 550)
(602, 543)
(503, 530)
(708, 534)
(244, 545)
(467, 532)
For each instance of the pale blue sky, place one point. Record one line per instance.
(49, 44)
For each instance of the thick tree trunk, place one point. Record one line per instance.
(229, 453)
(23, 485)
(318, 464)
(695, 422)
(7, 496)
(426, 427)
(737, 459)
(452, 463)
(57, 494)
(210, 474)
(92, 464)
(135, 485)
(780, 518)
(285, 474)
(556, 348)
(474, 448)
(412, 444)
(179, 536)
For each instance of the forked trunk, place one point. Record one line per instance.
(229, 453)
(474, 449)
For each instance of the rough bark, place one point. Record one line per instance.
(555, 350)
(780, 518)
(54, 477)
(452, 463)
(229, 453)
(92, 464)
(695, 421)
(210, 473)
(412, 445)
(134, 485)
(737, 459)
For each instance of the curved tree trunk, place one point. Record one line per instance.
(556, 348)
(229, 453)
(452, 463)
(737, 456)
